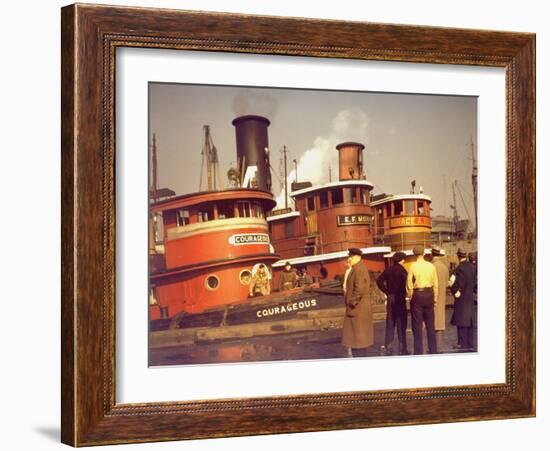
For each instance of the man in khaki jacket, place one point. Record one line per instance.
(423, 290)
(442, 276)
(288, 278)
(358, 332)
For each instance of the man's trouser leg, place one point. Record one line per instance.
(429, 319)
(416, 322)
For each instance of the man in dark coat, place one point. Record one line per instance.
(463, 288)
(358, 332)
(393, 283)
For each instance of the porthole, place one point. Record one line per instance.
(212, 282)
(245, 277)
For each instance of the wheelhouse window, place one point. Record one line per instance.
(323, 199)
(398, 208)
(257, 210)
(421, 208)
(310, 203)
(225, 210)
(352, 194)
(337, 196)
(388, 210)
(205, 213)
(244, 209)
(365, 196)
(182, 217)
(409, 207)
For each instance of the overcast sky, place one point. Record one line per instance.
(407, 137)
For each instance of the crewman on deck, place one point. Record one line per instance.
(423, 290)
(288, 278)
(260, 285)
(304, 279)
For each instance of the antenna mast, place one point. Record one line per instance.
(285, 151)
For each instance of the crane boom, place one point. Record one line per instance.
(210, 157)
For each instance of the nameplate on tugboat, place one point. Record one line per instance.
(249, 238)
(360, 219)
(411, 221)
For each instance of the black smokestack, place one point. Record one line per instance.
(252, 142)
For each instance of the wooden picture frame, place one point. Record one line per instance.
(90, 37)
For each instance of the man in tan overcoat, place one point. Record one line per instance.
(442, 270)
(358, 333)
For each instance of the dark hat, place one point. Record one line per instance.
(398, 256)
(436, 251)
(354, 251)
(287, 264)
(418, 250)
(460, 253)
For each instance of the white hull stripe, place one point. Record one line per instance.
(330, 256)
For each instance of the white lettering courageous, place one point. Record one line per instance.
(249, 238)
(309, 303)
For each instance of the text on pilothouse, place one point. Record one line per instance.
(357, 219)
(287, 308)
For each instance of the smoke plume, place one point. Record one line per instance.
(314, 163)
(252, 101)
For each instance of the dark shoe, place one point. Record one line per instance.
(404, 352)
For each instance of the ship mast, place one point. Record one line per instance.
(154, 168)
(474, 181)
(455, 213)
(462, 199)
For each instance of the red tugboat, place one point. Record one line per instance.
(328, 220)
(211, 241)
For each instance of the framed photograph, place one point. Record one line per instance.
(287, 224)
